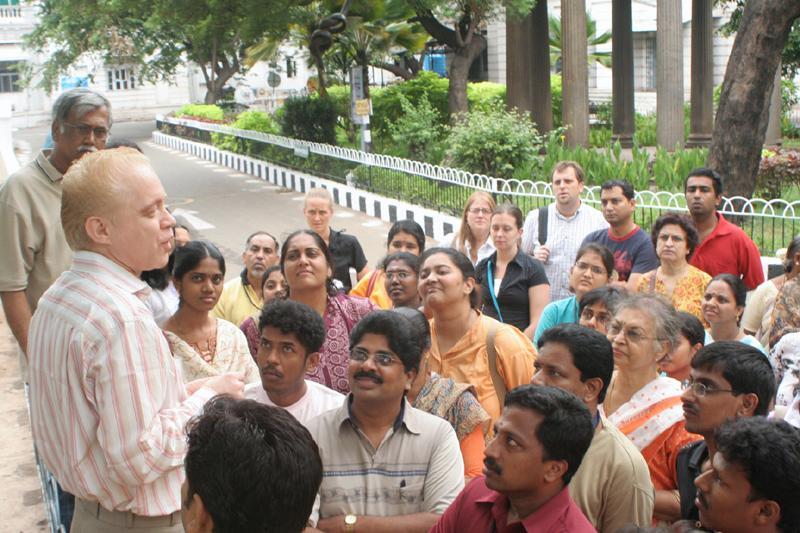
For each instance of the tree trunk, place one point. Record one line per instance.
(741, 122)
(459, 72)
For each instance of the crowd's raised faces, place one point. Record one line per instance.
(513, 285)
(401, 279)
(593, 268)
(723, 305)
(405, 237)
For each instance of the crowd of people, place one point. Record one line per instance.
(555, 371)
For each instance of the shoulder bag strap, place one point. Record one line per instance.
(491, 354)
(652, 288)
(372, 279)
(543, 215)
(490, 281)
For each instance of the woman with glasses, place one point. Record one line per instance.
(675, 238)
(597, 307)
(472, 238)
(723, 305)
(466, 345)
(593, 268)
(404, 236)
(514, 286)
(307, 266)
(401, 279)
(644, 405)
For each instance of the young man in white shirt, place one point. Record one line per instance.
(291, 336)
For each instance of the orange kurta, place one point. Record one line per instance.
(467, 361)
(378, 295)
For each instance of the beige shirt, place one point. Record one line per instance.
(612, 486)
(34, 249)
(417, 468)
(237, 302)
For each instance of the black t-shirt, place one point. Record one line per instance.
(521, 274)
(347, 253)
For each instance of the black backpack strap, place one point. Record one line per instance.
(543, 215)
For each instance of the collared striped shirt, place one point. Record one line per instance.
(108, 404)
(564, 238)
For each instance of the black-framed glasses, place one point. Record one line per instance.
(602, 317)
(381, 358)
(701, 389)
(85, 129)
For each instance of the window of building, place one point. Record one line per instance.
(121, 78)
(650, 64)
(9, 77)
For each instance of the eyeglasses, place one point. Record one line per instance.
(480, 211)
(701, 389)
(631, 334)
(400, 275)
(381, 358)
(596, 270)
(85, 129)
(602, 317)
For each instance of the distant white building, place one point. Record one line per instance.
(644, 51)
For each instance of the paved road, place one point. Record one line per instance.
(225, 207)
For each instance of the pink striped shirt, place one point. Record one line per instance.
(108, 405)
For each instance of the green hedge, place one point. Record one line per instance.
(201, 111)
(248, 120)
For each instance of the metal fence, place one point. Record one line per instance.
(770, 223)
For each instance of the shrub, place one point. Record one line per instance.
(485, 95)
(211, 113)
(555, 91)
(309, 118)
(248, 120)
(778, 171)
(387, 107)
(418, 133)
(493, 142)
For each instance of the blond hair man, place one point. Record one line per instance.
(108, 403)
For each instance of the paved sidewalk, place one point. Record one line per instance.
(20, 490)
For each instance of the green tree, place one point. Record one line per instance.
(157, 36)
(604, 58)
(463, 39)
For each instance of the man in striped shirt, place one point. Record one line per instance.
(108, 403)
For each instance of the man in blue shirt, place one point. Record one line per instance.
(632, 247)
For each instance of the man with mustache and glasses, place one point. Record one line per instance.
(291, 336)
(386, 465)
(724, 247)
(753, 485)
(539, 443)
(241, 297)
(728, 380)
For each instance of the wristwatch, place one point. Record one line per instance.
(350, 522)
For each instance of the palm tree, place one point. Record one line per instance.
(604, 58)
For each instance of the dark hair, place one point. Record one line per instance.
(257, 233)
(607, 295)
(565, 431)
(507, 208)
(294, 317)
(410, 227)
(705, 172)
(768, 452)
(461, 262)
(677, 219)
(158, 278)
(605, 255)
(627, 188)
(736, 285)
(411, 260)
(422, 328)
(326, 252)
(255, 467)
(692, 328)
(118, 142)
(189, 256)
(268, 272)
(591, 352)
(397, 330)
(794, 247)
(744, 367)
(561, 166)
